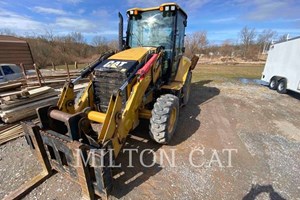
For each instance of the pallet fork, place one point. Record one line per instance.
(58, 153)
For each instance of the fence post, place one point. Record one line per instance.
(68, 72)
(23, 69)
(76, 66)
(37, 74)
(53, 67)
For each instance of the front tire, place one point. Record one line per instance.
(164, 118)
(282, 84)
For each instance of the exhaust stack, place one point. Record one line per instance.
(120, 32)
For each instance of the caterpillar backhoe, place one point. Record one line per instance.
(148, 78)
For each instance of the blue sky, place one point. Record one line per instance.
(221, 19)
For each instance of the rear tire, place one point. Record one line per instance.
(186, 90)
(273, 83)
(164, 118)
(282, 84)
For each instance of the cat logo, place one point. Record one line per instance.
(114, 64)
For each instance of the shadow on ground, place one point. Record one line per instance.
(189, 121)
(259, 189)
(294, 94)
(127, 178)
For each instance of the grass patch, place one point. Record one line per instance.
(209, 72)
(225, 72)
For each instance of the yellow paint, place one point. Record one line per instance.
(157, 72)
(96, 116)
(110, 122)
(117, 129)
(106, 120)
(157, 8)
(183, 70)
(66, 97)
(172, 121)
(145, 114)
(137, 54)
(173, 86)
(86, 100)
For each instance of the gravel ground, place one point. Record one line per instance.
(260, 126)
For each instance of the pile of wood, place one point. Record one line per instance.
(22, 104)
(52, 78)
(20, 98)
(11, 85)
(11, 133)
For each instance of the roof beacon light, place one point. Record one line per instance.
(131, 12)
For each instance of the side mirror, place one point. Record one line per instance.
(185, 23)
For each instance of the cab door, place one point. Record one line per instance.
(179, 41)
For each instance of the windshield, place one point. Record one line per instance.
(151, 28)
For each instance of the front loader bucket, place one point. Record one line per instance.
(85, 164)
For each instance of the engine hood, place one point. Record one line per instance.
(124, 61)
(136, 54)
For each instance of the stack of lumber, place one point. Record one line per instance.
(23, 104)
(11, 85)
(11, 133)
(54, 79)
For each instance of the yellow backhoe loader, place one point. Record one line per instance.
(147, 78)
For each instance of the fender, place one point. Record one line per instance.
(185, 65)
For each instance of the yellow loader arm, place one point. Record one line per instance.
(117, 123)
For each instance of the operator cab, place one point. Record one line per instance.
(159, 26)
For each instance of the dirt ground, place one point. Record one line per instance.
(261, 128)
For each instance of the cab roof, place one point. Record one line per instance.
(157, 8)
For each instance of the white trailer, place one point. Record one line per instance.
(282, 69)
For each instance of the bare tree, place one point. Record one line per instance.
(227, 48)
(75, 37)
(7, 32)
(113, 45)
(266, 36)
(283, 38)
(196, 43)
(100, 43)
(247, 37)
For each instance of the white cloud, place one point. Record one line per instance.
(49, 10)
(222, 20)
(18, 23)
(103, 13)
(268, 9)
(72, 24)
